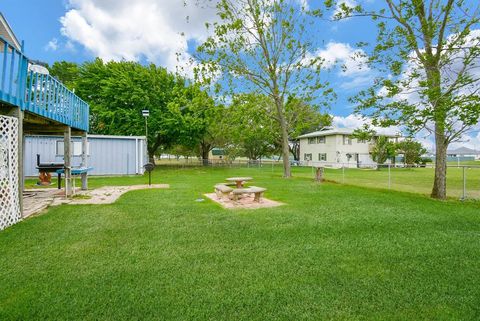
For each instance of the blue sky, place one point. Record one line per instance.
(39, 24)
(149, 30)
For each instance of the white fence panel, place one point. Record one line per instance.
(9, 197)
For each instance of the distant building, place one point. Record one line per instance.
(335, 147)
(217, 154)
(463, 154)
(108, 155)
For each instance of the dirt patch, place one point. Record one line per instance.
(106, 194)
(245, 202)
(37, 200)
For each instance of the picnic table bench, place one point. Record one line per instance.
(222, 190)
(257, 191)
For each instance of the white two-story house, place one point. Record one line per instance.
(335, 147)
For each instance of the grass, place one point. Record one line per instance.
(465, 163)
(333, 252)
(413, 180)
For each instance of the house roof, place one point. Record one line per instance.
(96, 136)
(6, 32)
(337, 131)
(463, 151)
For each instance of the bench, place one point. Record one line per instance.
(257, 191)
(222, 190)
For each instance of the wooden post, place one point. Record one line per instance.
(67, 158)
(84, 161)
(319, 174)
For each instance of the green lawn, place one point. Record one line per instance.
(332, 252)
(413, 180)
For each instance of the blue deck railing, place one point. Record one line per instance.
(38, 93)
(13, 72)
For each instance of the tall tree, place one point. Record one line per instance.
(252, 129)
(66, 72)
(428, 52)
(118, 91)
(202, 123)
(266, 47)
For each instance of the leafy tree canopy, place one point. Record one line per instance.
(264, 47)
(427, 57)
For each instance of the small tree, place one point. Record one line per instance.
(263, 46)
(383, 149)
(412, 151)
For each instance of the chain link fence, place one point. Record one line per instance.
(463, 181)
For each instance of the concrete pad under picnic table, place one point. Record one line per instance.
(245, 202)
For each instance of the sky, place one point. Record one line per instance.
(150, 31)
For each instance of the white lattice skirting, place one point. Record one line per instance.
(9, 197)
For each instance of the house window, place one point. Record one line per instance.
(347, 140)
(76, 148)
(321, 140)
(307, 157)
(312, 140)
(322, 157)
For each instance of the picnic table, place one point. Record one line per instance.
(75, 171)
(238, 180)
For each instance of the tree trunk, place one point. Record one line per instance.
(205, 150)
(439, 190)
(285, 146)
(152, 149)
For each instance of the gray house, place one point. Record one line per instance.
(108, 155)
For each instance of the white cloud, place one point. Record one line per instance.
(352, 60)
(52, 45)
(155, 30)
(356, 121)
(351, 64)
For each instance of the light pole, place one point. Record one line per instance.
(145, 114)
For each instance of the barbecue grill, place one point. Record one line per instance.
(50, 168)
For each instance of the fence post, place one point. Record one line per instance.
(389, 177)
(343, 173)
(464, 196)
